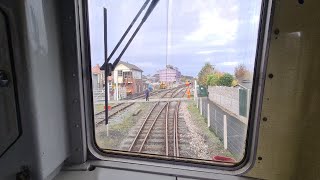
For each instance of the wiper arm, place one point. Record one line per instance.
(148, 12)
(110, 67)
(128, 29)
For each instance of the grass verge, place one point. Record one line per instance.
(215, 146)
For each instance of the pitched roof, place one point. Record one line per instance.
(130, 66)
(96, 69)
(246, 84)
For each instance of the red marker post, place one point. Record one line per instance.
(109, 108)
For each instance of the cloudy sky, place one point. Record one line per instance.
(183, 33)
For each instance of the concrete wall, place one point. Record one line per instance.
(236, 128)
(227, 97)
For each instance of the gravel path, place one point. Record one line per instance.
(197, 143)
(204, 144)
(119, 117)
(119, 126)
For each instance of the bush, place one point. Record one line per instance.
(225, 80)
(212, 80)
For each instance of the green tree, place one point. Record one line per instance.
(225, 80)
(204, 72)
(212, 79)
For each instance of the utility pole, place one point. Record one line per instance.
(168, 38)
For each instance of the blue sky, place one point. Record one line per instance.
(186, 35)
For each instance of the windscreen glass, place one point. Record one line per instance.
(182, 87)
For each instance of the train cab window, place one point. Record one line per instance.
(180, 78)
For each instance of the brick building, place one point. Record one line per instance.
(97, 77)
(129, 76)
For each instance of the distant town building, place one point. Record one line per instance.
(129, 76)
(170, 74)
(156, 77)
(97, 77)
(150, 79)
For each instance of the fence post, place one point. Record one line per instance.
(197, 103)
(225, 133)
(201, 106)
(208, 114)
(248, 102)
(216, 122)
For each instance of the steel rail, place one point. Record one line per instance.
(167, 140)
(176, 94)
(116, 112)
(144, 122)
(177, 153)
(154, 121)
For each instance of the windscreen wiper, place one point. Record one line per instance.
(109, 67)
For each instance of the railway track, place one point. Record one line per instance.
(153, 93)
(172, 133)
(100, 117)
(180, 93)
(170, 93)
(159, 133)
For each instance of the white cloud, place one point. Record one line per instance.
(216, 50)
(214, 29)
(206, 52)
(228, 63)
(255, 19)
(207, 59)
(145, 64)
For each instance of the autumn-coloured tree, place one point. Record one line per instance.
(241, 72)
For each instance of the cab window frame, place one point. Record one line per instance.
(127, 160)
